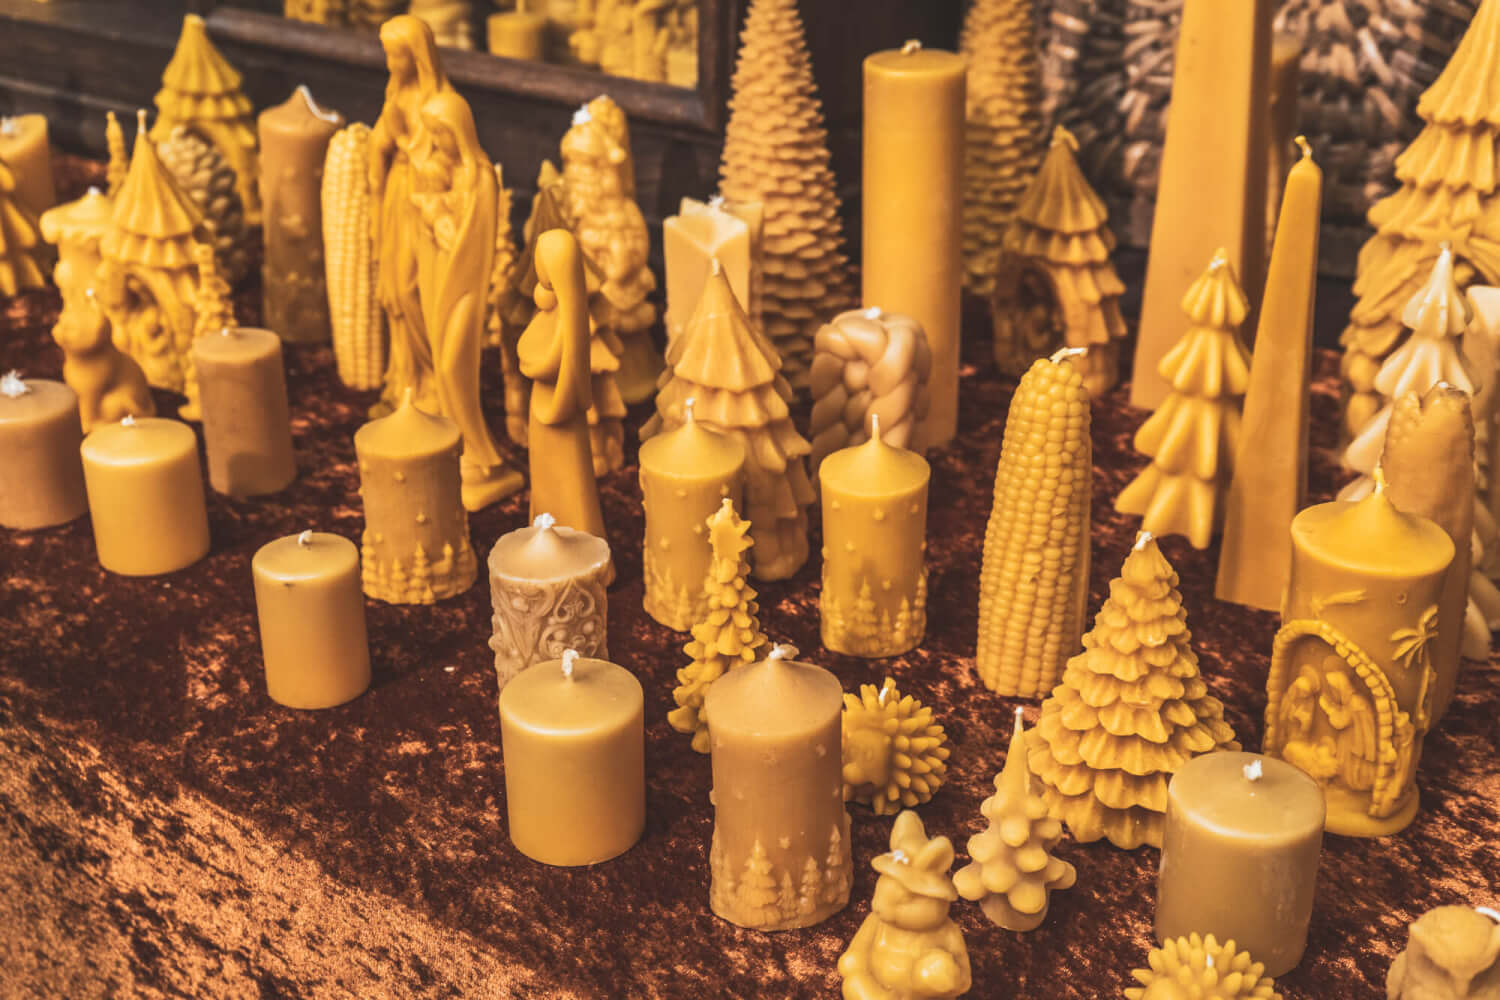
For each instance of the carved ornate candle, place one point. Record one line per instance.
(691, 240)
(686, 474)
(39, 437)
(780, 855)
(76, 229)
(547, 587)
(415, 548)
(1352, 676)
(24, 145)
(247, 429)
(874, 598)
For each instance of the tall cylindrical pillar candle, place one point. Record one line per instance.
(874, 598)
(913, 203)
(24, 145)
(415, 548)
(39, 437)
(548, 589)
(573, 732)
(686, 474)
(247, 423)
(312, 620)
(145, 496)
(1239, 855)
(780, 853)
(294, 138)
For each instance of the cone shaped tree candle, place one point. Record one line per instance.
(1033, 585)
(21, 246)
(895, 755)
(776, 153)
(734, 374)
(1131, 709)
(1193, 435)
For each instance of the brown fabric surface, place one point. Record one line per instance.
(167, 830)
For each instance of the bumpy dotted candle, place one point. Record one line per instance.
(1198, 968)
(895, 756)
(1033, 584)
(349, 260)
(39, 437)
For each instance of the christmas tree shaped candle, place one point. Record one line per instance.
(21, 245)
(200, 89)
(1131, 709)
(734, 374)
(895, 756)
(776, 152)
(1014, 870)
(1033, 584)
(1192, 437)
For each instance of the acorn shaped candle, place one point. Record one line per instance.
(686, 475)
(874, 599)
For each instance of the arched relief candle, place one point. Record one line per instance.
(39, 436)
(548, 590)
(874, 598)
(686, 474)
(247, 422)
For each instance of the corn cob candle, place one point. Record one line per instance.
(1034, 581)
(349, 260)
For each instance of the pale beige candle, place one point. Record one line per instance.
(247, 428)
(39, 436)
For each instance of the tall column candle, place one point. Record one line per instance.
(247, 424)
(24, 145)
(913, 177)
(39, 436)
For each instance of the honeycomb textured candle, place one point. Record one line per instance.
(1199, 968)
(1131, 709)
(895, 755)
(1033, 584)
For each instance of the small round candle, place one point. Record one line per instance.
(247, 424)
(311, 612)
(145, 496)
(39, 436)
(1239, 858)
(573, 734)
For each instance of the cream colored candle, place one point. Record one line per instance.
(913, 182)
(145, 496)
(247, 428)
(24, 145)
(699, 234)
(39, 436)
(573, 734)
(311, 614)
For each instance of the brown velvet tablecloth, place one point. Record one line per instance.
(166, 830)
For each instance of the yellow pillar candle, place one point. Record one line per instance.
(145, 496)
(1212, 187)
(39, 437)
(312, 620)
(874, 598)
(24, 145)
(247, 428)
(686, 474)
(913, 183)
(1352, 669)
(699, 234)
(1239, 857)
(780, 853)
(517, 34)
(573, 734)
(1270, 466)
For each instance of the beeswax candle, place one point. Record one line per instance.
(76, 230)
(516, 34)
(24, 145)
(247, 427)
(691, 241)
(145, 496)
(573, 734)
(1452, 953)
(312, 620)
(39, 437)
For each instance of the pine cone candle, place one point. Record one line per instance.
(202, 173)
(895, 756)
(1198, 968)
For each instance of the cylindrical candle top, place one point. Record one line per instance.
(137, 442)
(237, 343)
(546, 552)
(312, 555)
(407, 433)
(773, 698)
(693, 450)
(575, 695)
(1371, 537)
(875, 469)
(1246, 796)
(39, 434)
(912, 60)
(24, 400)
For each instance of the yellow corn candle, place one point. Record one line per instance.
(874, 599)
(145, 496)
(39, 437)
(699, 234)
(24, 145)
(312, 620)
(573, 732)
(247, 423)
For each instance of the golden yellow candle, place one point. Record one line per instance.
(874, 598)
(312, 620)
(76, 229)
(517, 34)
(699, 234)
(1281, 109)
(573, 734)
(780, 853)
(39, 437)
(24, 145)
(1352, 669)
(913, 202)
(686, 474)
(247, 428)
(145, 496)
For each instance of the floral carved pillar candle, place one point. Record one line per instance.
(780, 855)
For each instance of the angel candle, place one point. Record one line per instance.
(39, 437)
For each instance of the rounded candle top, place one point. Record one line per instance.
(1241, 794)
(137, 440)
(692, 449)
(407, 433)
(777, 696)
(874, 469)
(238, 343)
(308, 556)
(85, 218)
(547, 552)
(1372, 537)
(596, 695)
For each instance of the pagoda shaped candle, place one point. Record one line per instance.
(1131, 710)
(734, 374)
(1193, 435)
(21, 246)
(1033, 582)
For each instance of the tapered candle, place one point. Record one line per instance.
(24, 145)
(39, 436)
(1281, 111)
(247, 429)
(913, 182)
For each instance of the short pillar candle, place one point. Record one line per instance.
(145, 496)
(39, 437)
(1239, 858)
(311, 613)
(573, 734)
(247, 423)
(517, 34)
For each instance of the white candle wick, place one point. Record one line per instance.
(1062, 354)
(911, 47)
(569, 660)
(875, 427)
(305, 539)
(885, 691)
(140, 121)
(1208, 960)
(1487, 911)
(716, 202)
(1019, 720)
(544, 522)
(12, 386)
(899, 856)
(128, 420)
(94, 190)
(874, 312)
(781, 651)
(714, 266)
(9, 126)
(1142, 540)
(583, 116)
(687, 409)
(1254, 770)
(224, 331)
(322, 114)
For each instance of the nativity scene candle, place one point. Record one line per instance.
(247, 429)
(39, 437)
